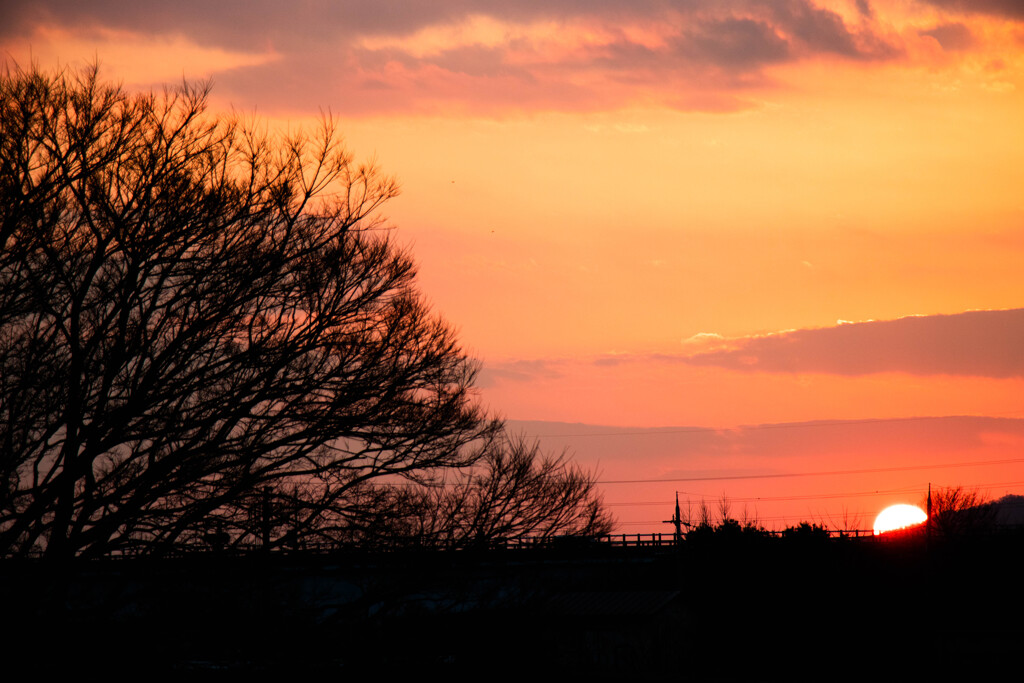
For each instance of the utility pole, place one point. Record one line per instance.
(928, 522)
(676, 522)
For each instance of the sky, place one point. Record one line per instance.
(653, 220)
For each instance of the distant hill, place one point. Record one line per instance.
(1009, 510)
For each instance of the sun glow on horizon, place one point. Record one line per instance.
(898, 517)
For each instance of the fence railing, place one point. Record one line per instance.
(624, 540)
(654, 540)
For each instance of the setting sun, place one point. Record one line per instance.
(898, 517)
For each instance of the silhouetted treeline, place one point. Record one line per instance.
(731, 608)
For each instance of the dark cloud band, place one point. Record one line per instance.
(1008, 9)
(711, 50)
(976, 343)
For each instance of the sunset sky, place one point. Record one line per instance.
(767, 249)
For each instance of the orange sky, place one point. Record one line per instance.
(623, 206)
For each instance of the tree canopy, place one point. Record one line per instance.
(197, 318)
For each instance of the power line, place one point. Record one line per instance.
(812, 496)
(760, 520)
(775, 499)
(872, 470)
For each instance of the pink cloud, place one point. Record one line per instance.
(674, 451)
(952, 37)
(975, 343)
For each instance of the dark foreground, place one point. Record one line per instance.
(824, 609)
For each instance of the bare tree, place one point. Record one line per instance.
(199, 321)
(515, 491)
(958, 512)
(844, 523)
(704, 517)
(724, 509)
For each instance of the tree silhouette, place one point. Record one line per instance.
(199, 321)
(515, 491)
(960, 512)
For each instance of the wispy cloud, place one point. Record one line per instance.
(517, 371)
